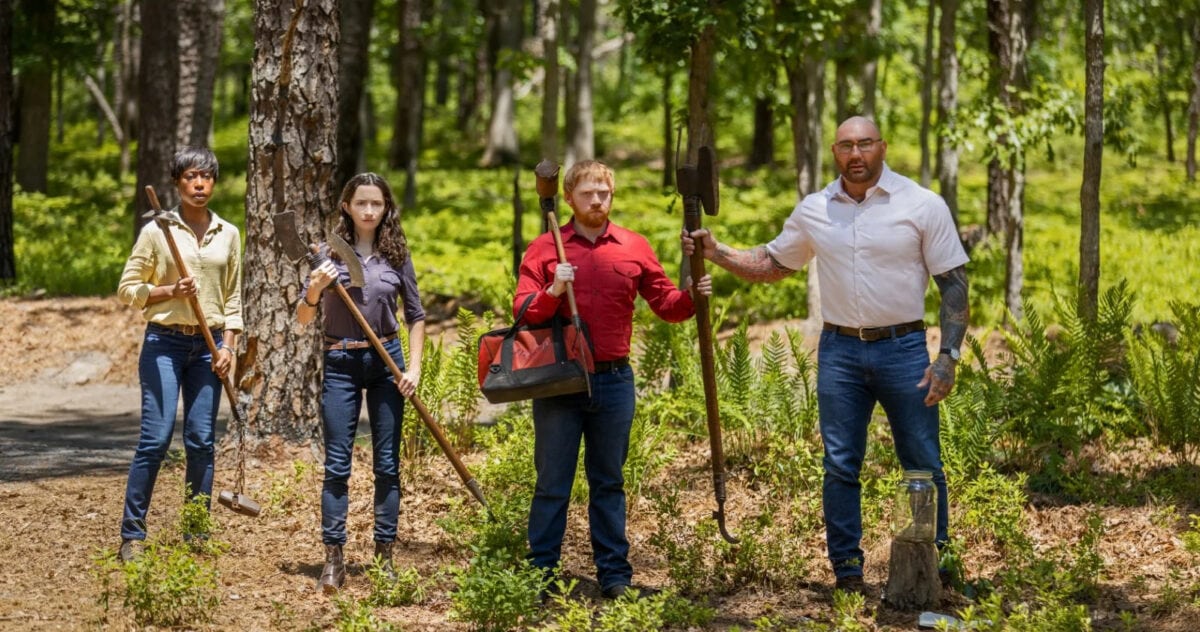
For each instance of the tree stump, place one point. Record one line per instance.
(913, 582)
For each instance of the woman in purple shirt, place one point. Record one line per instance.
(371, 223)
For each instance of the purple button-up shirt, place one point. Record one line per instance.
(376, 299)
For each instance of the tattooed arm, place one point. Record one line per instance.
(953, 315)
(755, 264)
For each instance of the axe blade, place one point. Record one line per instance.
(346, 252)
(708, 181)
(288, 237)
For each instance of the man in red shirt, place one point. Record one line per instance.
(609, 267)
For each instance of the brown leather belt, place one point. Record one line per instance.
(340, 344)
(608, 366)
(871, 334)
(187, 330)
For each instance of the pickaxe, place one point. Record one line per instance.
(295, 249)
(547, 189)
(698, 187)
(235, 500)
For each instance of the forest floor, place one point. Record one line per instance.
(69, 422)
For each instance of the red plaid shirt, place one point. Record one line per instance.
(609, 274)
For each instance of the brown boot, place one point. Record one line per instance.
(383, 557)
(334, 572)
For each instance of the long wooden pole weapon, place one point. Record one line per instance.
(237, 501)
(698, 187)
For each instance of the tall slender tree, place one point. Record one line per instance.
(947, 153)
(200, 35)
(157, 105)
(408, 75)
(581, 139)
(502, 147)
(293, 150)
(548, 23)
(1007, 37)
(1093, 152)
(928, 79)
(8, 263)
(354, 67)
(1194, 102)
(36, 87)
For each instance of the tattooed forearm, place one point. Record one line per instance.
(955, 311)
(753, 265)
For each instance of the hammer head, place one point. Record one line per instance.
(547, 179)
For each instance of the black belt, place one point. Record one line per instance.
(332, 343)
(187, 330)
(871, 334)
(608, 366)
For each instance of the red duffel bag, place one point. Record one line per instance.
(534, 361)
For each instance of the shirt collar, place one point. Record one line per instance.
(888, 183)
(612, 232)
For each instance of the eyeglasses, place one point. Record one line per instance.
(192, 175)
(865, 145)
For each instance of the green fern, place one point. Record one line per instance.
(1167, 379)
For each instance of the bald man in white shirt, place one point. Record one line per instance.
(878, 237)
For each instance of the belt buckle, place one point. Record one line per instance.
(862, 334)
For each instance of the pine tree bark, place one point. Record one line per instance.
(37, 83)
(353, 69)
(8, 263)
(157, 105)
(125, 57)
(947, 163)
(870, 66)
(1093, 152)
(293, 152)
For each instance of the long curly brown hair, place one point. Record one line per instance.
(389, 235)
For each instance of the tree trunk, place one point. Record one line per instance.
(947, 166)
(581, 143)
(1163, 101)
(841, 90)
(1194, 105)
(502, 146)
(33, 160)
(293, 147)
(870, 68)
(353, 69)
(762, 148)
(408, 73)
(157, 99)
(8, 262)
(668, 130)
(548, 29)
(1093, 152)
(806, 82)
(1006, 180)
(199, 57)
(126, 60)
(927, 80)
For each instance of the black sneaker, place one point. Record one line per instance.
(851, 584)
(619, 590)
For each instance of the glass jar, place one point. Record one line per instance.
(914, 515)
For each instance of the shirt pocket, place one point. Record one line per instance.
(390, 284)
(627, 276)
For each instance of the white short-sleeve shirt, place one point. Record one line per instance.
(874, 257)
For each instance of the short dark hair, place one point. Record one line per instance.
(194, 158)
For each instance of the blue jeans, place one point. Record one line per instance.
(171, 362)
(852, 376)
(347, 374)
(603, 423)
